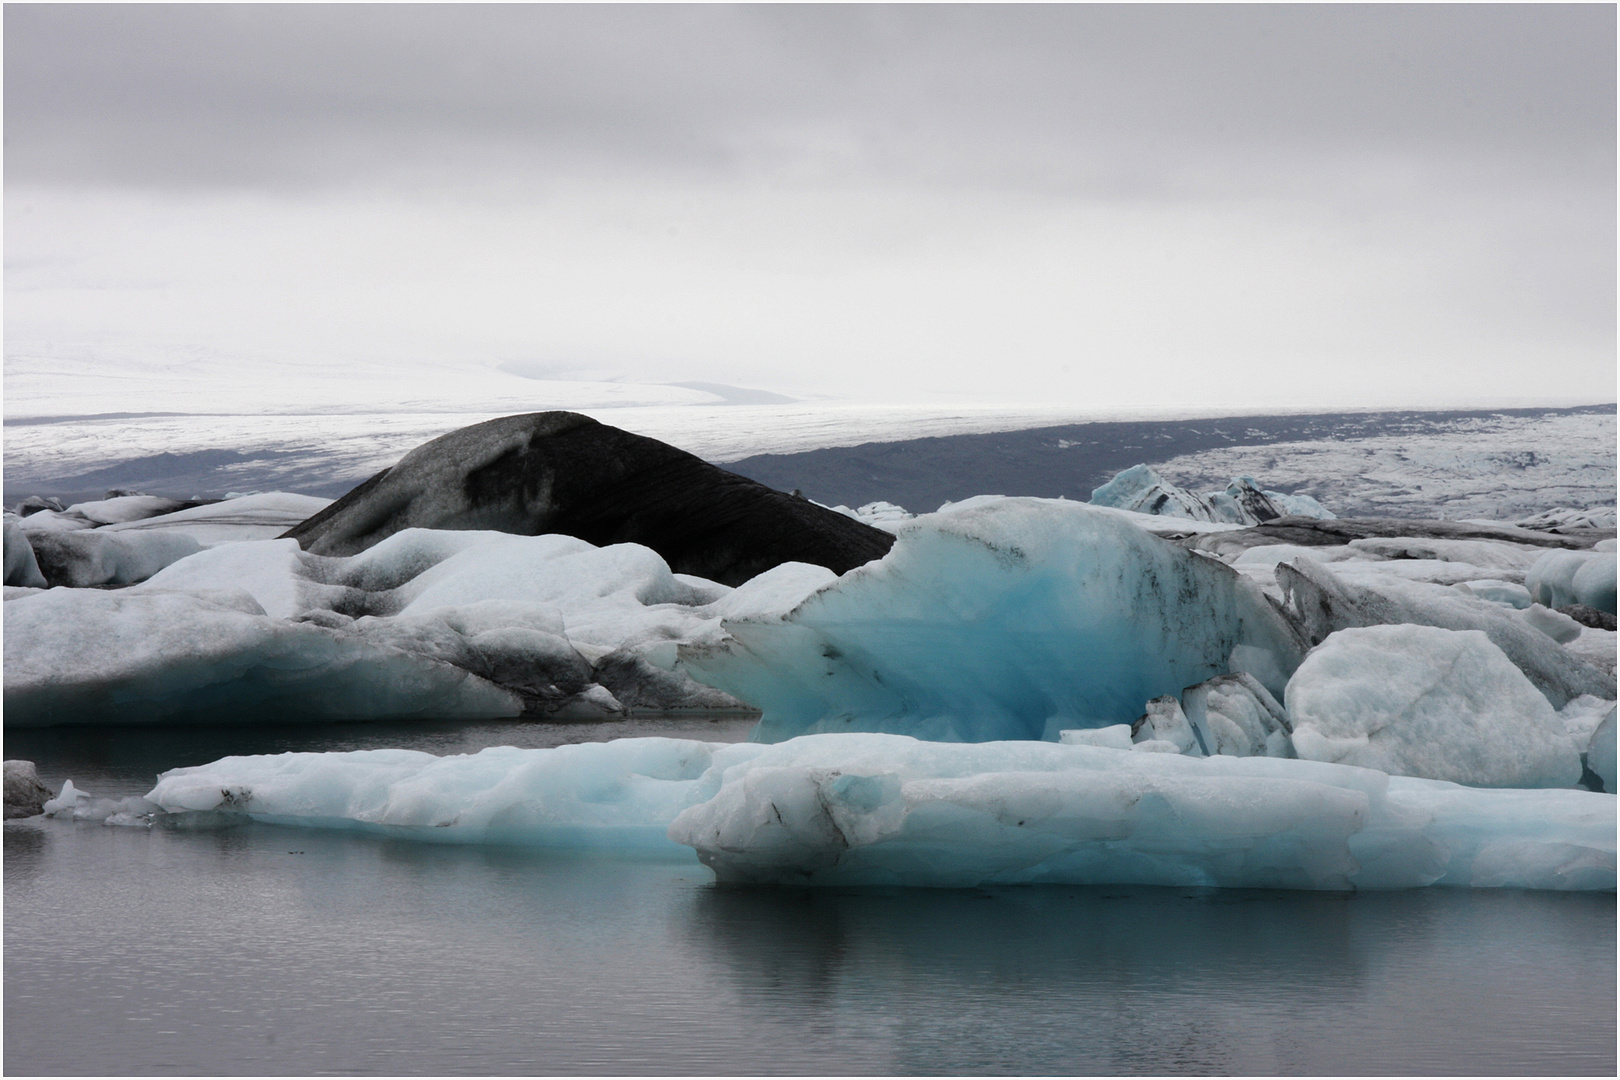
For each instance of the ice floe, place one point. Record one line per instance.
(893, 810)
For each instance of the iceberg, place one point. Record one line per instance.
(1560, 578)
(1424, 701)
(22, 569)
(85, 656)
(90, 557)
(551, 623)
(259, 516)
(1144, 491)
(1321, 602)
(865, 809)
(999, 618)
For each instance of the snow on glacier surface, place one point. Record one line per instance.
(1424, 701)
(887, 809)
(998, 618)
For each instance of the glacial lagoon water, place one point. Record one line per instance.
(263, 950)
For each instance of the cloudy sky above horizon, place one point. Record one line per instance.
(1099, 205)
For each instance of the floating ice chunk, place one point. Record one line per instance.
(532, 614)
(1238, 716)
(121, 508)
(1422, 701)
(251, 517)
(1144, 491)
(22, 569)
(78, 805)
(1564, 517)
(93, 557)
(874, 809)
(1496, 591)
(1488, 554)
(1559, 578)
(1555, 624)
(271, 571)
(65, 800)
(75, 656)
(1600, 751)
(1595, 646)
(1319, 602)
(45, 521)
(1116, 736)
(1272, 554)
(1582, 716)
(774, 593)
(1163, 721)
(887, 516)
(886, 809)
(1300, 506)
(1003, 618)
(616, 794)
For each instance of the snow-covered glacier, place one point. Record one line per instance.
(998, 618)
(862, 809)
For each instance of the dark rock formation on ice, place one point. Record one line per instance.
(1311, 532)
(560, 472)
(1319, 603)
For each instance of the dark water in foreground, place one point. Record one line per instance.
(265, 950)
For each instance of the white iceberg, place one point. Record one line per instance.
(551, 623)
(259, 516)
(1142, 490)
(1560, 578)
(78, 656)
(1320, 601)
(1424, 701)
(885, 809)
(91, 557)
(998, 618)
(22, 569)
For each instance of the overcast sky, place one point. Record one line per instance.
(1114, 205)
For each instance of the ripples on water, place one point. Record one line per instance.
(266, 950)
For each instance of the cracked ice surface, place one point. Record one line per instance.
(888, 809)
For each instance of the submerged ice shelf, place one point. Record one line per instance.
(892, 810)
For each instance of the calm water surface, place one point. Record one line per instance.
(272, 950)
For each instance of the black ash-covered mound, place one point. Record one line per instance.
(560, 472)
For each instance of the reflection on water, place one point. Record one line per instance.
(265, 950)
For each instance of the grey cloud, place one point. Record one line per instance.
(1127, 95)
